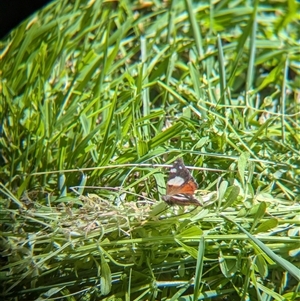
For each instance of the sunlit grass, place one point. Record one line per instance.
(98, 98)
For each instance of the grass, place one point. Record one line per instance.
(97, 100)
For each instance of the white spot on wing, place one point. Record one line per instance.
(173, 170)
(180, 197)
(177, 181)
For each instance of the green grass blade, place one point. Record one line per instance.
(286, 265)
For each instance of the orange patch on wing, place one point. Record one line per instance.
(181, 186)
(188, 188)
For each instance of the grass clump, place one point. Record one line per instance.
(96, 97)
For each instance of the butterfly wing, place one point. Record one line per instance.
(180, 186)
(180, 179)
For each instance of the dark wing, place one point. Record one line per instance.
(181, 186)
(180, 179)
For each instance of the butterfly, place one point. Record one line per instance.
(181, 186)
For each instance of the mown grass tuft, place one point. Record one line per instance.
(97, 98)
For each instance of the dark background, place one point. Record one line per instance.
(13, 12)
